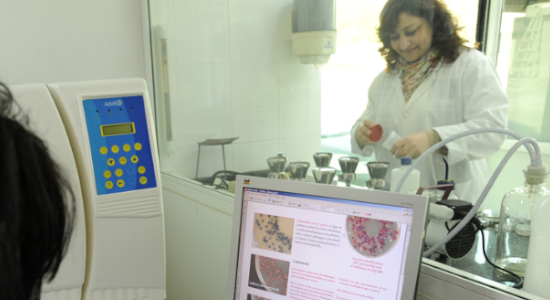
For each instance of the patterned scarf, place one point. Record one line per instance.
(412, 74)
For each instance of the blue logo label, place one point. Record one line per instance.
(114, 103)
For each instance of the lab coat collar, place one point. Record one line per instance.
(421, 89)
(397, 85)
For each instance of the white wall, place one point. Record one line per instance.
(232, 74)
(198, 237)
(58, 41)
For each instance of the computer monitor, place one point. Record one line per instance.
(295, 240)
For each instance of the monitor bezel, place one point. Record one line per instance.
(416, 202)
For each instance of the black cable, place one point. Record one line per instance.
(223, 184)
(480, 227)
(446, 169)
(518, 284)
(224, 172)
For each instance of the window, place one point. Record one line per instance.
(524, 66)
(224, 69)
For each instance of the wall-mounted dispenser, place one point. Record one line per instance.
(314, 30)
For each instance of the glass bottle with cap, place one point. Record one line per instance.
(516, 212)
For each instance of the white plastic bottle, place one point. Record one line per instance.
(537, 271)
(412, 182)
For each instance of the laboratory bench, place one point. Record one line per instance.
(474, 262)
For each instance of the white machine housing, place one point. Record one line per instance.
(125, 219)
(37, 104)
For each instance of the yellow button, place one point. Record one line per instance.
(115, 149)
(111, 162)
(134, 159)
(143, 180)
(137, 146)
(118, 172)
(122, 160)
(126, 147)
(103, 150)
(120, 183)
(141, 169)
(107, 174)
(109, 185)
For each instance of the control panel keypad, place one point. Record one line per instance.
(122, 162)
(121, 151)
(111, 162)
(120, 183)
(141, 169)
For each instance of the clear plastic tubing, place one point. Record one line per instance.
(530, 144)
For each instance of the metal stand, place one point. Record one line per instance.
(214, 142)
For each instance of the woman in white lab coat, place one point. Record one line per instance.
(433, 87)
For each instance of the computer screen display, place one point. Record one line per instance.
(305, 241)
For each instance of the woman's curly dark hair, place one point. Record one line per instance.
(436, 13)
(37, 207)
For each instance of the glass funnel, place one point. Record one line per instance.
(298, 170)
(322, 159)
(517, 209)
(277, 166)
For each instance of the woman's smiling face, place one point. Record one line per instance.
(412, 38)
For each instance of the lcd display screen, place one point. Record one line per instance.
(117, 129)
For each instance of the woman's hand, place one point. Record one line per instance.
(412, 145)
(362, 133)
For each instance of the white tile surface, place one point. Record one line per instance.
(299, 116)
(299, 102)
(254, 101)
(259, 30)
(202, 31)
(204, 108)
(211, 160)
(253, 156)
(301, 149)
(291, 75)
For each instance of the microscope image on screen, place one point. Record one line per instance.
(269, 274)
(254, 297)
(273, 233)
(372, 237)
